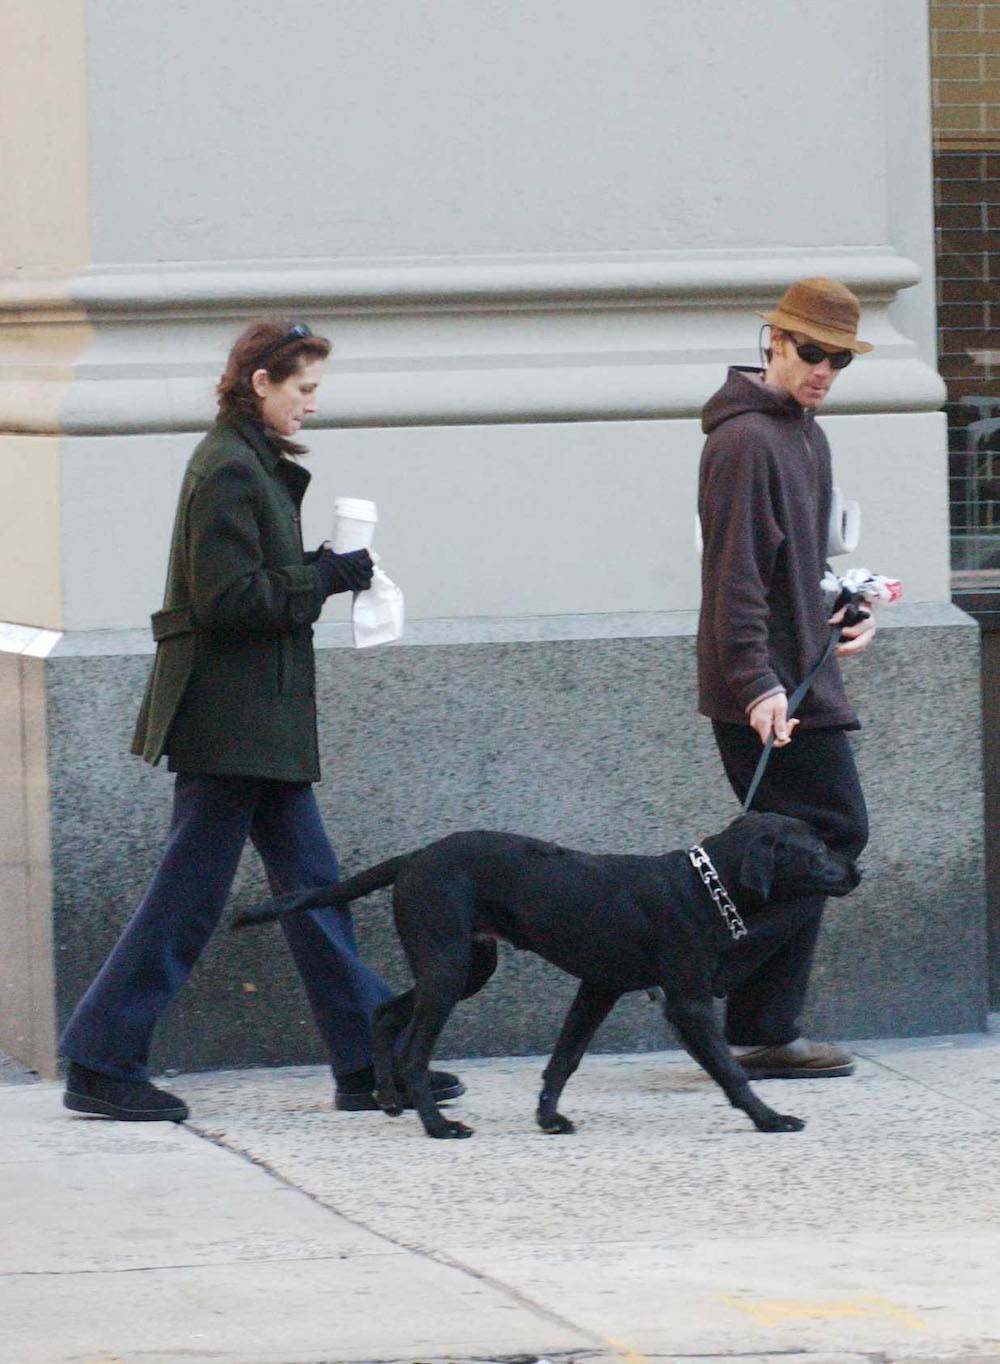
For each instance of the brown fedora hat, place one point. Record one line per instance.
(822, 309)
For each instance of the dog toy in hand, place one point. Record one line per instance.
(856, 589)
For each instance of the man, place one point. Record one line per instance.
(764, 503)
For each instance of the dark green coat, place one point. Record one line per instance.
(232, 691)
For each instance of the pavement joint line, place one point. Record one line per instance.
(797, 1352)
(576, 1356)
(570, 1356)
(194, 1264)
(931, 1089)
(675, 1357)
(435, 1257)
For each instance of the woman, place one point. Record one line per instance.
(231, 701)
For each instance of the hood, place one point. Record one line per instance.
(742, 392)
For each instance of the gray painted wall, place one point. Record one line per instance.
(242, 130)
(506, 215)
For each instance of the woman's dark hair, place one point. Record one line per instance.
(277, 345)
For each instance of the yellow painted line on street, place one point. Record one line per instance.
(626, 1352)
(779, 1311)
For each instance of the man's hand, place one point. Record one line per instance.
(856, 638)
(771, 716)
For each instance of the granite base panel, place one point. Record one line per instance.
(591, 742)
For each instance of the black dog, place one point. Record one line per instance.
(617, 923)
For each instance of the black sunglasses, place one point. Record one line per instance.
(298, 332)
(815, 355)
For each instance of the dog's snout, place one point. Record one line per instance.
(842, 873)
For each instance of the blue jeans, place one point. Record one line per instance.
(111, 1028)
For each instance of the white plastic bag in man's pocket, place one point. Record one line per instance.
(845, 525)
(377, 615)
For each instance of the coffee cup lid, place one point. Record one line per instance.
(357, 508)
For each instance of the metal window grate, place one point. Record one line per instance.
(965, 71)
(967, 194)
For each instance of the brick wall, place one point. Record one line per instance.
(965, 73)
(965, 67)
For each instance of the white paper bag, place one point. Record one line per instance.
(377, 615)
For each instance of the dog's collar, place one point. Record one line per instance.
(712, 882)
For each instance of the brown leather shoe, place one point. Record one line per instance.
(798, 1060)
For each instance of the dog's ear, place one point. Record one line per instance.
(757, 867)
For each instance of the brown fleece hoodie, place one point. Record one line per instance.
(764, 502)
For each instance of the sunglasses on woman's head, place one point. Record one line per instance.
(298, 332)
(815, 355)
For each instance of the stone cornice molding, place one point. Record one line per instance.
(445, 281)
(426, 342)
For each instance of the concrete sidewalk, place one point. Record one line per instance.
(271, 1230)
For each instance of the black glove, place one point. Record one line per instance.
(351, 572)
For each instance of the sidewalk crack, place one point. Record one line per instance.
(438, 1257)
(931, 1089)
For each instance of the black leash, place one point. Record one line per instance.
(852, 615)
(793, 705)
(655, 995)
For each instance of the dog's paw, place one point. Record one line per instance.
(779, 1122)
(554, 1125)
(446, 1130)
(789, 1123)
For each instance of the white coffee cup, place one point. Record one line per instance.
(354, 521)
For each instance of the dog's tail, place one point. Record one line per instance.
(341, 893)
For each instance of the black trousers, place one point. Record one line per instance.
(766, 975)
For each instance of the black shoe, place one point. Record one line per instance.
(355, 1093)
(88, 1091)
